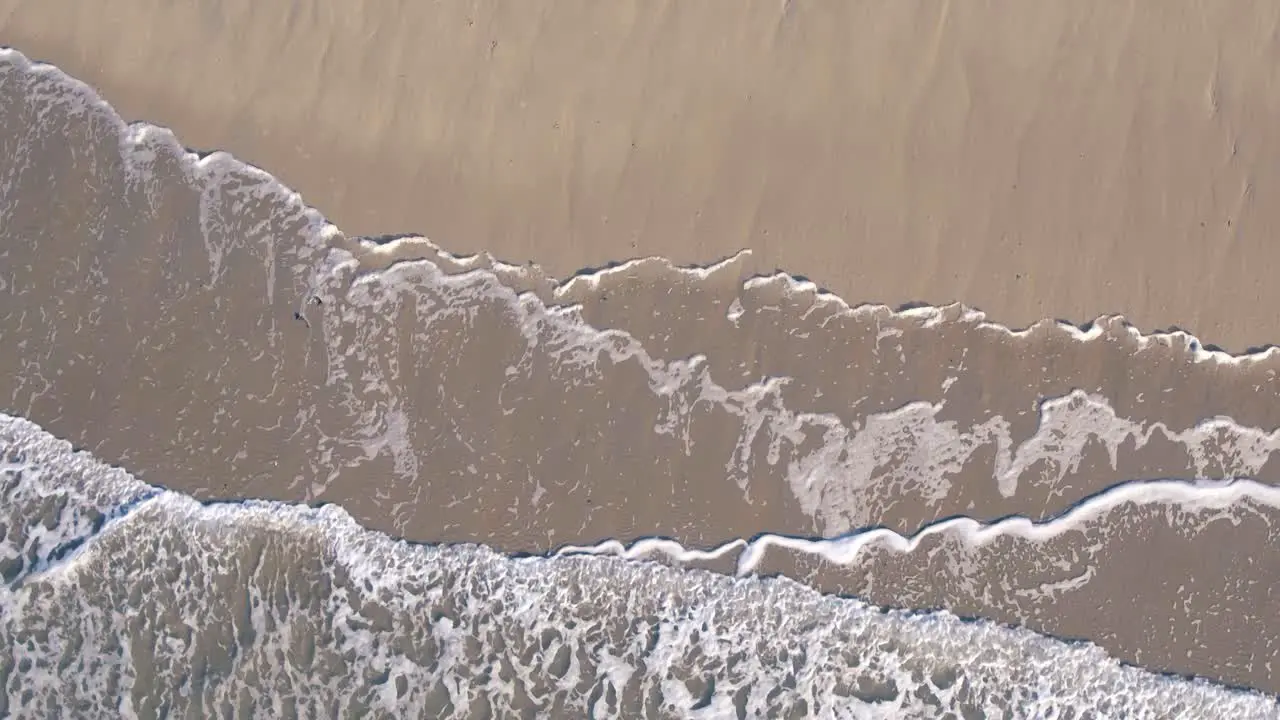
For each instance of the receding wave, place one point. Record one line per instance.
(169, 605)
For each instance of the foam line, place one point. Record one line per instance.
(645, 547)
(1187, 495)
(590, 279)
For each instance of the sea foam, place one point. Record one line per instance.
(267, 608)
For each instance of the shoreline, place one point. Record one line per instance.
(1023, 204)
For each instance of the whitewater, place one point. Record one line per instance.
(121, 597)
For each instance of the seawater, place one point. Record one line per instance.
(121, 599)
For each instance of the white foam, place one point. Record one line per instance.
(648, 547)
(592, 280)
(415, 625)
(1187, 495)
(925, 316)
(859, 471)
(735, 311)
(1113, 325)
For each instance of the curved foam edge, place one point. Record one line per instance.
(929, 315)
(590, 278)
(213, 163)
(585, 279)
(1188, 495)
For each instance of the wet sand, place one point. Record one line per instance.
(197, 323)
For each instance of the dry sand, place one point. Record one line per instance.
(1034, 161)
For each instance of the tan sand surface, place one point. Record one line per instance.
(1033, 160)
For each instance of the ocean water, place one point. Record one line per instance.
(601, 474)
(120, 597)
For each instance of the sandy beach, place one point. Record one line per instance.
(820, 291)
(1033, 162)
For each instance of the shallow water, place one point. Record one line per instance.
(192, 320)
